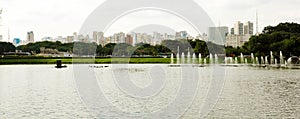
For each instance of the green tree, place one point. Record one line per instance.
(6, 47)
(284, 37)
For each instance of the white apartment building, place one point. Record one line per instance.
(240, 34)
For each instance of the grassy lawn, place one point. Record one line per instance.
(52, 60)
(85, 60)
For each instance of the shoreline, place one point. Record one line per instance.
(15, 61)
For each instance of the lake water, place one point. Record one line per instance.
(153, 91)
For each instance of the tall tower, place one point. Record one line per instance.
(1, 37)
(248, 28)
(256, 23)
(75, 35)
(8, 34)
(0, 17)
(238, 28)
(30, 37)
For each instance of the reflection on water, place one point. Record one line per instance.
(41, 91)
(38, 91)
(255, 93)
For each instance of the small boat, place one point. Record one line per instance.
(59, 64)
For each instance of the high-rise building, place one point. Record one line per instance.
(248, 28)
(134, 38)
(184, 34)
(108, 40)
(157, 38)
(170, 37)
(95, 36)
(16, 41)
(241, 35)
(237, 40)
(181, 35)
(87, 37)
(129, 39)
(98, 37)
(70, 39)
(146, 38)
(101, 39)
(232, 31)
(217, 34)
(177, 35)
(138, 38)
(47, 39)
(75, 36)
(119, 38)
(0, 17)
(30, 37)
(84, 39)
(238, 28)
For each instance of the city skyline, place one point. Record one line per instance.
(66, 18)
(120, 37)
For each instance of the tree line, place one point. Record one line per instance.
(167, 47)
(284, 37)
(6, 47)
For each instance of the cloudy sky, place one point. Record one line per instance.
(63, 17)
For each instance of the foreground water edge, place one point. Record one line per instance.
(41, 91)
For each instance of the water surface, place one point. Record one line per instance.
(41, 91)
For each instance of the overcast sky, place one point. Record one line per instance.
(63, 17)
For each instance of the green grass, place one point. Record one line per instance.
(31, 61)
(84, 60)
(52, 60)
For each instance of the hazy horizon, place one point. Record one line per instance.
(52, 18)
